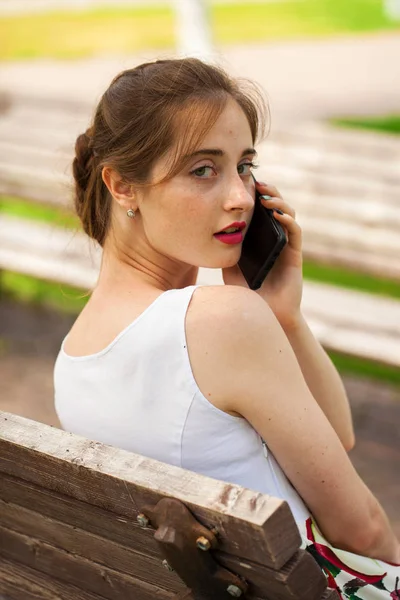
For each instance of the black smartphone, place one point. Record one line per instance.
(263, 242)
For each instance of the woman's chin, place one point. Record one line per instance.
(221, 264)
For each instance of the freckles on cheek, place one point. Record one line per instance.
(190, 216)
(193, 224)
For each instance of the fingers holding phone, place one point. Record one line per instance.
(264, 240)
(271, 259)
(271, 198)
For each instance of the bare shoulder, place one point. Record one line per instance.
(226, 317)
(222, 330)
(224, 305)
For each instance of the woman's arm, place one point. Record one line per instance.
(282, 291)
(322, 379)
(243, 363)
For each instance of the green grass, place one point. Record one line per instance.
(352, 365)
(347, 278)
(76, 34)
(26, 289)
(290, 20)
(384, 124)
(17, 207)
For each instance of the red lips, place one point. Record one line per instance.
(240, 225)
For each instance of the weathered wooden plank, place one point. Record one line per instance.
(307, 156)
(19, 582)
(250, 524)
(53, 253)
(61, 570)
(351, 258)
(65, 243)
(23, 127)
(350, 234)
(321, 135)
(35, 155)
(354, 324)
(96, 520)
(45, 138)
(338, 337)
(96, 548)
(74, 570)
(14, 180)
(330, 595)
(382, 316)
(329, 185)
(49, 268)
(299, 579)
(375, 212)
(185, 595)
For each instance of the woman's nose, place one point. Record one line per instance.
(240, 197)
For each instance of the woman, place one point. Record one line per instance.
(199, 376)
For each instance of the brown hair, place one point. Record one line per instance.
(144, 113)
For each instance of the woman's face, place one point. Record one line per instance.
(181, 216)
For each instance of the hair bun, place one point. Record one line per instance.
(82, 164)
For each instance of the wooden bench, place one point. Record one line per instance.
(312, 165)
(343, 184)
(83, 521)
(333, 313)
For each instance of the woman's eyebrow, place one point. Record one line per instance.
(217, 152)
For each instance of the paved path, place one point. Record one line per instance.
(304, 79)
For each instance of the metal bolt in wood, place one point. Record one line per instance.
(203, 543)
(166, 565)
(178, 534)
(234, 591)
(142, 520)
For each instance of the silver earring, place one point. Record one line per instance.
(131, 213)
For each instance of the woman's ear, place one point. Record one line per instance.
(121, 191)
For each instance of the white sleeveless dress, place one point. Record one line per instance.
(139, 394)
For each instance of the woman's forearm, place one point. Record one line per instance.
(323, 380)
(386, 546)
(376, 538)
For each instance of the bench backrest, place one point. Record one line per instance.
(82, 520)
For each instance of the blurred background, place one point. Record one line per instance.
(331, 72)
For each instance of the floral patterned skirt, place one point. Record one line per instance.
(354, 577)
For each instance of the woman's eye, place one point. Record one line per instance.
(245, 168)
(202, 171)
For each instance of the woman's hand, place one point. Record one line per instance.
(283, 286)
